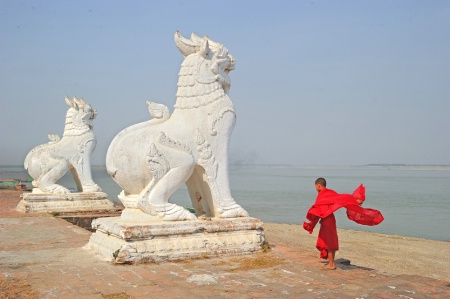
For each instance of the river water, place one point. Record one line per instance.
(415, 201)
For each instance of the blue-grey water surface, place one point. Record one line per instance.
(414, 201)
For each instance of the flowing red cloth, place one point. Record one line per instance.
(328, 201)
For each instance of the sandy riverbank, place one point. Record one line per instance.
(386, 253)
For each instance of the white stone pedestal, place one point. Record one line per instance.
(125, 242)
(70, 202)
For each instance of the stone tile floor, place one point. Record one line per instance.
(48, 254)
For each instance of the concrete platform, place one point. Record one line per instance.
(71, 202)
(137, 242)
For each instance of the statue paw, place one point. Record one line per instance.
(177, 213)
(92, 188)
(145, 207)
(54, 189)
(232, 211)
(173, 212)
(167, 212)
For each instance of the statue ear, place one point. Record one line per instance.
(204, 49)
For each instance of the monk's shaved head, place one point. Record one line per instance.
(321, 181)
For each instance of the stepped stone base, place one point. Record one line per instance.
(71, 202)
(125, 242)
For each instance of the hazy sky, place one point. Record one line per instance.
(316, 82)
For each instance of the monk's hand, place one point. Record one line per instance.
(308, 227)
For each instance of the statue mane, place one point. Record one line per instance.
(201, 80)
(78, 118)
(192, 92)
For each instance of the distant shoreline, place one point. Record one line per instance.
(413, 167)
(243, 166)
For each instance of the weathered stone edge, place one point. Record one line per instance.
(135, 231)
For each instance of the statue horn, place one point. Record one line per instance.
(196, 39)
(78, 102)
(185, 46)
(68, 101)
(82, 101)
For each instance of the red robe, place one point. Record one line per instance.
(328, 237)
(327, 202)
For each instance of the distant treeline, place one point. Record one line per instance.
(391, 165)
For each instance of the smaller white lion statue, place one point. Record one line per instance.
(48, 163)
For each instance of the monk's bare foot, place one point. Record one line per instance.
(328, 268)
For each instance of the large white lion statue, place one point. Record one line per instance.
(151, 160)
(47, 163)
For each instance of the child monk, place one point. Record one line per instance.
(327, 202)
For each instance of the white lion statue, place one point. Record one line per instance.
(151, 160)
(47, 163)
